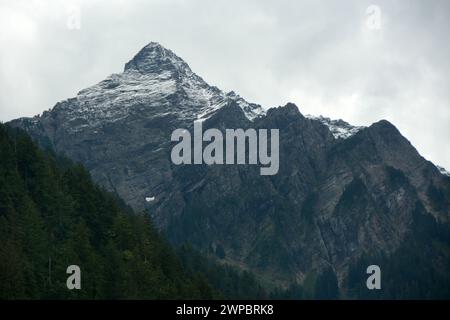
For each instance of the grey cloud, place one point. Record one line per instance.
(318, 54)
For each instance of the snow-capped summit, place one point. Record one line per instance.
(339, 128)
(154, 58)
(155, 81)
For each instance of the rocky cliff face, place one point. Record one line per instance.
(341, 191)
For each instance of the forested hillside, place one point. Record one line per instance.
(53, 216)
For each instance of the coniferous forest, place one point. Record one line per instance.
(52, 215)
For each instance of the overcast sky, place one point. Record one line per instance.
(361, 61)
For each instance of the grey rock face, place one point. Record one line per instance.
(340, 191)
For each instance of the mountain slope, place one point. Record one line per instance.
(341, 193)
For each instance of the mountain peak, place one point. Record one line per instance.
(154, 58)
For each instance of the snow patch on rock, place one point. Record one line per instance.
(443, 171)
(338, 128)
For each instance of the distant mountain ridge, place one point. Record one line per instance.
(342, 192)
